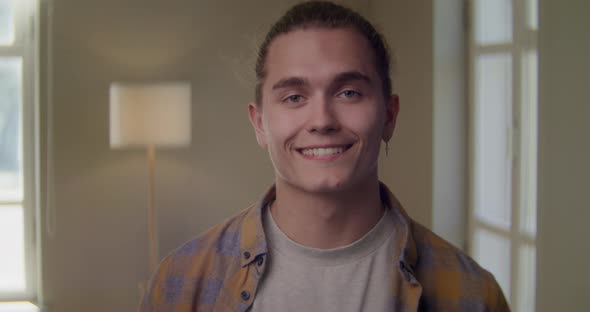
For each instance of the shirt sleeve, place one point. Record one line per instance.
(495, 301)
(161, 291)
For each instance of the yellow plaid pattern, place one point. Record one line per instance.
(221, 269)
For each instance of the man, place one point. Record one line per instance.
(328, 236)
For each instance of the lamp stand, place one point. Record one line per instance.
(152, 225)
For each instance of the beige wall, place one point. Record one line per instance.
(428, 165)
(97, 254)
(563, 253)
(408, 27)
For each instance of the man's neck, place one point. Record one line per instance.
(327, 220)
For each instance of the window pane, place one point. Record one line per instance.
(526, 280)
(493, 21)
(6, 22)
(12, 249)
(492, 252)
(18, 307)
(11, 185)
(493, 115)
(528, 205)
(532, 14)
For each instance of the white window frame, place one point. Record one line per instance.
(521, 142)
(25, 45)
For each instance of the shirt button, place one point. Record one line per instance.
(260, 261)
(245, 295)
(246, 255)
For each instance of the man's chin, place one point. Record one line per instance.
(327, 187)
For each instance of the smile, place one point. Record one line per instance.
(323, 152)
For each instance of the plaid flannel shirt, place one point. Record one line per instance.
(221, 270)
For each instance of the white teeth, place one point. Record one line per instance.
(322, 151)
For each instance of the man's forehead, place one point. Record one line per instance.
(340, 50)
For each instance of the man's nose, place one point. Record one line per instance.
(322, 117)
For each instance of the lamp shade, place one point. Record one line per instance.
(144, 114)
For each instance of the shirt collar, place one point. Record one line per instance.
(253, 240)
(406, 244)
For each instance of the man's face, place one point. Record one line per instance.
(323, 114)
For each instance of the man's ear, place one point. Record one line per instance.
(392, 110)
(255, 114)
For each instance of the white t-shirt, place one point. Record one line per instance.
(356, 277)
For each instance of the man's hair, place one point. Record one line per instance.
(324, 14)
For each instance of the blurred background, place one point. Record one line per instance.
(491, 149)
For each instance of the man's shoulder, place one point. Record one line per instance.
(434, 252)
(210, 254)
(223, 239)
(194, 273)
(446, 271)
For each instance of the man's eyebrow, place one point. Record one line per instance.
(351, 76)
(341, 78)
(290, 82)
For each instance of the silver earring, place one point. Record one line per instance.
(386, 148)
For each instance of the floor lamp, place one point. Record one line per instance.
(150, 115)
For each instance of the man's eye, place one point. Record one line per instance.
(295, 98)
(349, 94)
